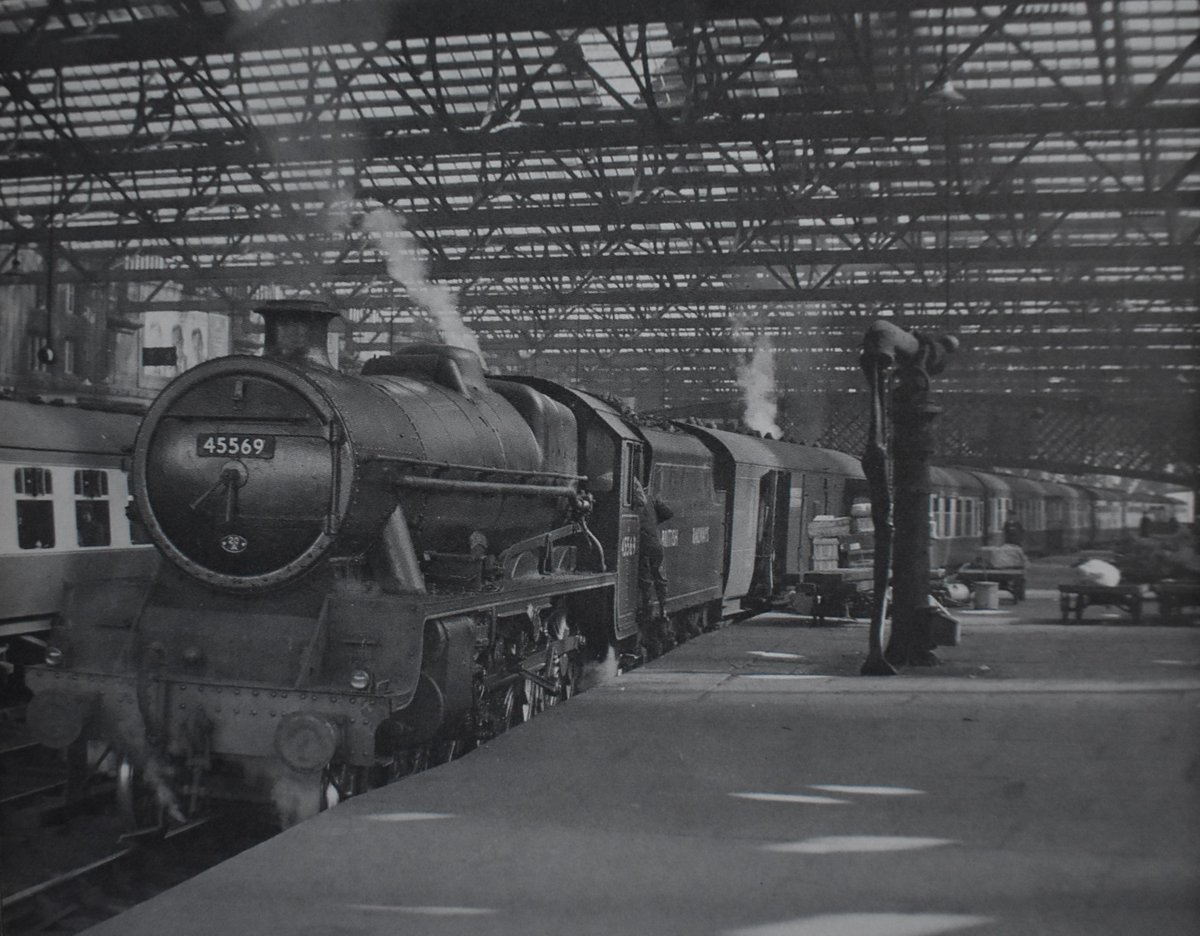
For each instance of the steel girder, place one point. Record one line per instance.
(1069, 437)
(667, 185)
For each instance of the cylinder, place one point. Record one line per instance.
(987, 596)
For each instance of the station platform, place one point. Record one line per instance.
(1044, 779)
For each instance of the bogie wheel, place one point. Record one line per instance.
(533, 700)
(510, 709)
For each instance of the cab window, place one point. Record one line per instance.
(631, 467)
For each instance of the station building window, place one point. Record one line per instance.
(33, 362)
(35, 508)
(91, 507)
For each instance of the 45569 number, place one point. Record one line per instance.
(235, 446)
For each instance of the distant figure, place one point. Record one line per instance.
(1014, 532)
(651, 581)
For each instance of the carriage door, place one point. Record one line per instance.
(771, 532)
(627, 558)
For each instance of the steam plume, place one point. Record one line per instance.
(756, 377)
(406, 265)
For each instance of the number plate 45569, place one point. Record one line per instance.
(235, 446)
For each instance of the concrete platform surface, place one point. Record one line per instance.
(1043, 780)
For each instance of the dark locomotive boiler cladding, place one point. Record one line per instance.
(254, 470)
(338, 550)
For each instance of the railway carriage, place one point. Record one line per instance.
(1107, 515)
(63, 497)
(997, 506)
(773, 492)
(1029, 508)
(957, 511)
(1067, 520)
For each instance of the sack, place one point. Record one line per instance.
(1098, 572)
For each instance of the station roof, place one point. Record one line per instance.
(647, 198)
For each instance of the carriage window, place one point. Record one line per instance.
(91, 508)
(35, 509)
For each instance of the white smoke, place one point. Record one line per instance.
(756, 377)
(406, 264)
(295, 798)
(157, 775)
(598, 672)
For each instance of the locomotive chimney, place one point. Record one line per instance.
(297, 330)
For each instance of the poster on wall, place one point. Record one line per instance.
(173, 342)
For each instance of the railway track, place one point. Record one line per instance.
(50, 905)
(113, 873)
(66, 866)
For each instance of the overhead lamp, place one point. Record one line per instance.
(948, 92)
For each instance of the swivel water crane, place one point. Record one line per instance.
(914, 358)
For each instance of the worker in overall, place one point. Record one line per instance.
(1014, 531)
(652, 583)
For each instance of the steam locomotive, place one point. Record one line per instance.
(367, 574)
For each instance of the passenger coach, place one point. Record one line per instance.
(63, 496)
